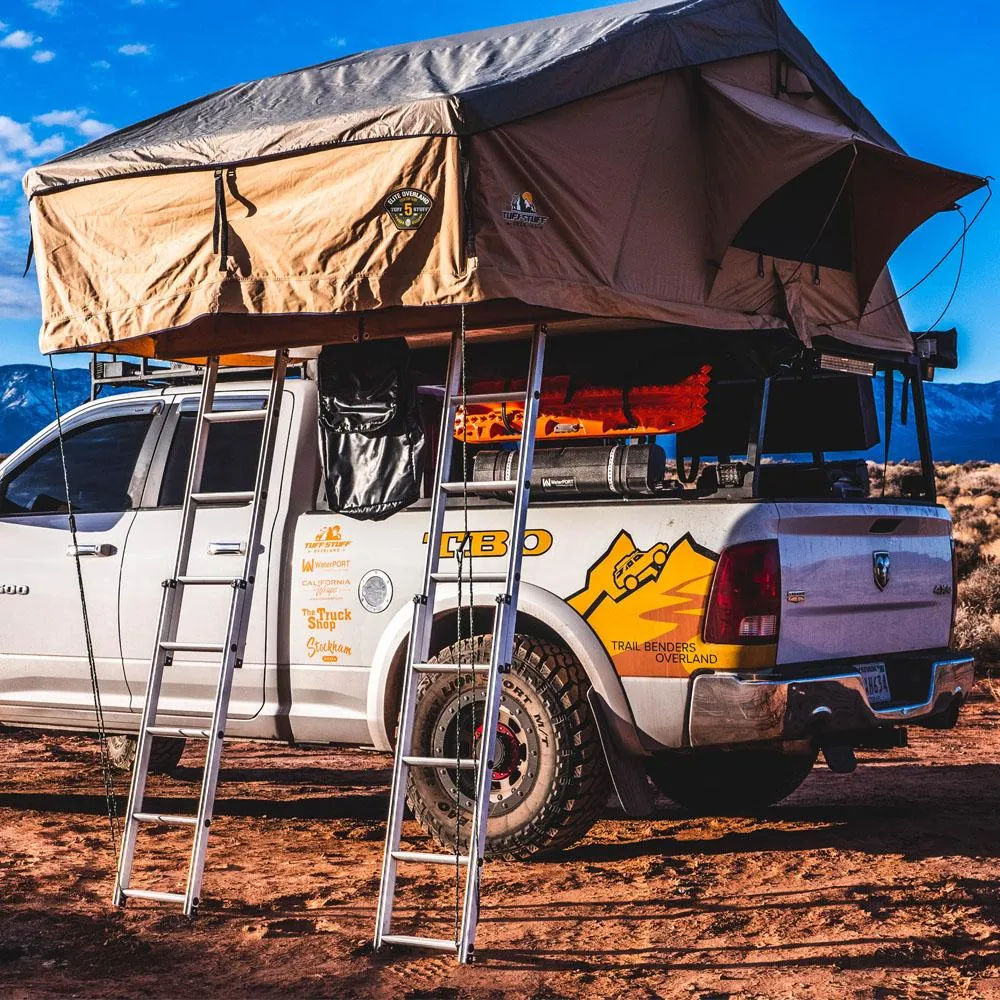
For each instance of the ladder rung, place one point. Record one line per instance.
(486, 486)
(405, 941)
(207, 581)
(234, 416)
(475, 578)
(166, 819)
(192, 647)
(234, 497)
(454, 668)
(442, 762)
(417, 858)
(154, 895)
(179, 733)
(510, 396)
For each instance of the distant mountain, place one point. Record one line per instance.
(964, 420)
(26, 399)
(964, 417)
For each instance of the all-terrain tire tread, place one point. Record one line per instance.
(581, 790)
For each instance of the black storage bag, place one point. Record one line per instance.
(372, 438)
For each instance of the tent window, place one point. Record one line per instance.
(792, 220)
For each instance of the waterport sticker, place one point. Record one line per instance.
(523, 211)
(408, 207)
(646, 607)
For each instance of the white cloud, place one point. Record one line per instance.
(133, 49)
(47, 6)
(100, 64)
(19, 40)
(43, 56)
(18, 295)
(338, 42)
(78, 119)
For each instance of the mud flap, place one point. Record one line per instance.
(628, 774)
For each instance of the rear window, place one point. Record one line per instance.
(230, 460)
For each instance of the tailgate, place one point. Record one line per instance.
(862, 580)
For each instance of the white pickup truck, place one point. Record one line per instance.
(716, 638)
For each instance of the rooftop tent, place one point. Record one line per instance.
(690, 163)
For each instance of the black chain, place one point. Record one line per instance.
(109, 790)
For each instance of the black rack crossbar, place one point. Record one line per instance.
(146, 374)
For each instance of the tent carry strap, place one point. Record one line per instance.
(501, 653)
(230, 651)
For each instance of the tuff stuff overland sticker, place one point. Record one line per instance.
(522, 212)
(408, 207)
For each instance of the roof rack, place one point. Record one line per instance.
(147, 375)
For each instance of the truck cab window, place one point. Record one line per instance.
(230, 460)
(100, 462)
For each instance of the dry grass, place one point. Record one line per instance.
(971, 493)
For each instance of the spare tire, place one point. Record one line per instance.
(729, 782)
(550, 781)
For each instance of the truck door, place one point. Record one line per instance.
(216, 550)
(44, 671)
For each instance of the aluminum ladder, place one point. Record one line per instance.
(418, 652)
(230, 651)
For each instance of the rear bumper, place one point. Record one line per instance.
(729, 708)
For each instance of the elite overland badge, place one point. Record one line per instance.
(408, 207)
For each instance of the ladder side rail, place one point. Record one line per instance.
(210, 777)
(502, 647)
(418, 645)
(196, 467)
(140, 767)
(264, 464)
(235, 639)
(166, 626)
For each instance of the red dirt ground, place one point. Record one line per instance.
(880, 884)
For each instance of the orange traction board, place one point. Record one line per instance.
(589, 411)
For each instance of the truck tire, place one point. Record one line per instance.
(550, 779)
(729, 782)
(164, 755)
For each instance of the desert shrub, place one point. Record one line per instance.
(980, 590)
(968, 556)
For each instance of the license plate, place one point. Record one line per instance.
(876, 682)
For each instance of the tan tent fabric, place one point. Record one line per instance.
(628, 204)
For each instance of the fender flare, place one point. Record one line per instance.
(533, 602)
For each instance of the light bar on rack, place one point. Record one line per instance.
(847, 366)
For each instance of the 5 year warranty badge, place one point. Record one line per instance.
(408, 207)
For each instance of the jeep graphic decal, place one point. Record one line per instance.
(646, 607)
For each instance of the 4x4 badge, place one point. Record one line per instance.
(408, 207)
(880, 569)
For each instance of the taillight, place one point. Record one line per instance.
(745, 603)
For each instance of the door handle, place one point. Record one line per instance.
(102, 550)
(226, 548)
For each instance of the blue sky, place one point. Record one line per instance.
(70, 70)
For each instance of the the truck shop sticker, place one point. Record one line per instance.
(646, 607)
(408, 207)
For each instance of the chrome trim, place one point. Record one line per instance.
(727, 709)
